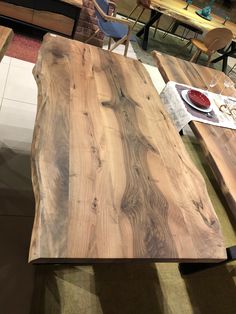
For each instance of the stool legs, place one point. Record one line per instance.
(134, 9)
(195, 56)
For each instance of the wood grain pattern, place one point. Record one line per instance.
(53, 21)
(175, 9)
(111, 176)
(16, 11)
(6, 35)
(219, 144)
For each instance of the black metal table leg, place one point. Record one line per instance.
(225, 56)
(191, 268)
(155, 15)
(225, 62)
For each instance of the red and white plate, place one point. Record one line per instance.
(185, 96)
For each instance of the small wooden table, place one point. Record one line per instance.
(219, 144)
(111, 176)
(6, 35)
(175, 9)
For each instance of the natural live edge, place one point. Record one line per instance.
(6, 35)
(111, 176)
(219, 144)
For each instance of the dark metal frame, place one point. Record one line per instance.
(229, 52)
(155, 15)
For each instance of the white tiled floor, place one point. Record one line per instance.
(18, 99)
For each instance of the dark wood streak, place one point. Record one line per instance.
(143, 203)
(59, 174)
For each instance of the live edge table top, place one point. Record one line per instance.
(111, 176)
(219, 144)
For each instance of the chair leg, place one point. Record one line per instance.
(137, 19)
(92, 36)
(126, 47)
(194, 57)
(182, 49)
(156, 27)
(109, 43)
(118, 43)
(209, 60)
(169, 29)
(134, 9)
(198, 56)
(127, 41)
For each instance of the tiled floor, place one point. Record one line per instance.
(18, 98)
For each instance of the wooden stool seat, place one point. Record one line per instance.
(199, 44)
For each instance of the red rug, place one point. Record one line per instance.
(24, 47)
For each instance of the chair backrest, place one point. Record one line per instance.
(217, 38)
(103, 5)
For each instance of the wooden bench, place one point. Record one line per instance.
(111, 177)
(219, 144)
(6, 35)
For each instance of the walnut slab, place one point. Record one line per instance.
(6, 35)
(111, 177)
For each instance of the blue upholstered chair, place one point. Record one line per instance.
(111, 26)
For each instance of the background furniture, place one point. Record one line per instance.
(175, 9)
(112, 27)
(219, 144)
(55, 15)
(214, 40)
(230, 52)
(6, 35)
(121, 188)
(144, 5)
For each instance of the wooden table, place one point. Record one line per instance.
(219, 144)
(175, 9)
(6, 35)
(111, 176)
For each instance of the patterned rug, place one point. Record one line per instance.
(24, 47)
(26, 41)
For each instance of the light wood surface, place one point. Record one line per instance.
(53, 21)
(45, 19)
(76, 3)
(175, 9)
(219, 144)
(111, 176)
(6, 35)
(16, 12)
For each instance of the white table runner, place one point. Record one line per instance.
(181, 113)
